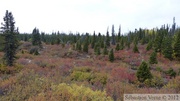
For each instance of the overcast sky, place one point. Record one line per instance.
(90, 15)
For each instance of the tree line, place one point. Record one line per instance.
(164, 40)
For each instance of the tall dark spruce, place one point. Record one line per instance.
(10, 34)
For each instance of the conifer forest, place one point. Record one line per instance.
(99, 66)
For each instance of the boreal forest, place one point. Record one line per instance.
(58, 66)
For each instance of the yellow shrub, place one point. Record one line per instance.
(3, 68)
(72, 92)
(174, 84)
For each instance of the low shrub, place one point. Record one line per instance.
(71, 92)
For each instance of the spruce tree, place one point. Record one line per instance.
(153, 58)
(107, 39)
(95, 47)
(119, 34)
(52, 42)
(171, 72)
(128, 45)
(113, 36)
(78, 45)
(36, 39)
(158, 41)
(10, 38)
(177, 46)
(85, 46)
(143, 41)
(117, 47)
(105, 51)
(43, 37)
(122, 44)
(167, 47)
(25, 37)
(93, 40)
(99, 36)
(58, 41)
(98, 51)
(135, 49)
(149, 45)
(111, 56)
(102, 43)
(143, 73)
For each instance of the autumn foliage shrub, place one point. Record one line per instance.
(117, 89)
(156, 82)
(23, 86)
(71, 92)
(86, 74)
(3, 68)
(23, 61)
(121, 74)
(174, 84)
(81, 74)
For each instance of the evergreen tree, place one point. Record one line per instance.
(149, 45)
(128, 44)
(153, 58)
(136, 40)
(105, 51)
(119, 34)
(139, 33)
(58, 41)
(85, 46)
(117, 47)
(102, 43)
(111, 55)
(43, 37)
(113, 36)
(167, 47)
(10, 38)
(95, 47)
(143, 40)
(171, 72)
(107, 39)
(98, 51)
(78, 45)
(177, 45)
(99, 37)
(36, 39)
(122, 44)
(74, 39)
(158, 41)
(143, 73)
(52, 42)
(93, 40)
(135, 49)
(25, 37)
